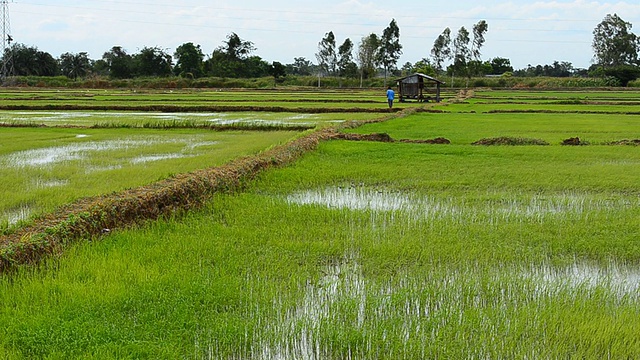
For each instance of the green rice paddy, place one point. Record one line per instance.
(364, 250)
(42, 169)
(112, 119)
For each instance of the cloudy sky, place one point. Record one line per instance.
(525, 31)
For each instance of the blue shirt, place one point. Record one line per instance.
(390, 94)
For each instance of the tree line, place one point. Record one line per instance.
(615, 48)
(232, 59)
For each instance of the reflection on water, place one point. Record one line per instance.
(82, 150)
(92, 117)
(76, 151)
(621, 280)
(151, 158)
(416, 307)
(12, 217)
(495, 208)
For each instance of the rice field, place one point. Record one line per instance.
(44, 168)
(297, 101)
(369, 250)
(106, 119)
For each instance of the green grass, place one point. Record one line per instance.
(553, 128)
(254, 274)
(354, 100)
(368, 250)
(42, 169)
(159, 120)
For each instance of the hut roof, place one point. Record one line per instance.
(422, 76)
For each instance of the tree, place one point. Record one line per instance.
(120, 63)
(28, 60)
(188, 60)
(326, 55)
(441, 50)
(366, 56)
(232, 59)
(300, 66)
(500, 65)
(346, 66)
(278, 71)
(236, 48)
(614, 44)
(152, 61)
(390, 48)
(461, 52)
(74, 66)
(424, 66)
(479, 30)
(624, 73)
(254, 67)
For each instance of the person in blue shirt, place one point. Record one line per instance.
(390, 96)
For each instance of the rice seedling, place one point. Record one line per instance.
(45, 168)
(372, 250)
(111, 119)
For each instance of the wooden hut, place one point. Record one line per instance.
(417, 86)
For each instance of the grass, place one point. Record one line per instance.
(552, 128)
(45, 168)
(255, 274)
(173, 120)
(367, 250)
(351, 100)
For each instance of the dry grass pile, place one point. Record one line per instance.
(438, 140)
(507, 140)
(634, 142)
(574, 141)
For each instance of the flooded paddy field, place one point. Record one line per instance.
(155, 119)
(45, 168)
(365, 250)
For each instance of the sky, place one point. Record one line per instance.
(525, 32)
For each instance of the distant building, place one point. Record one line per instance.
(419, 87)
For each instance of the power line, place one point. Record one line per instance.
(279, 12)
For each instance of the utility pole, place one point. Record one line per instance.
(7, 52)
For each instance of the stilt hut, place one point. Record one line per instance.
(419, 87)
